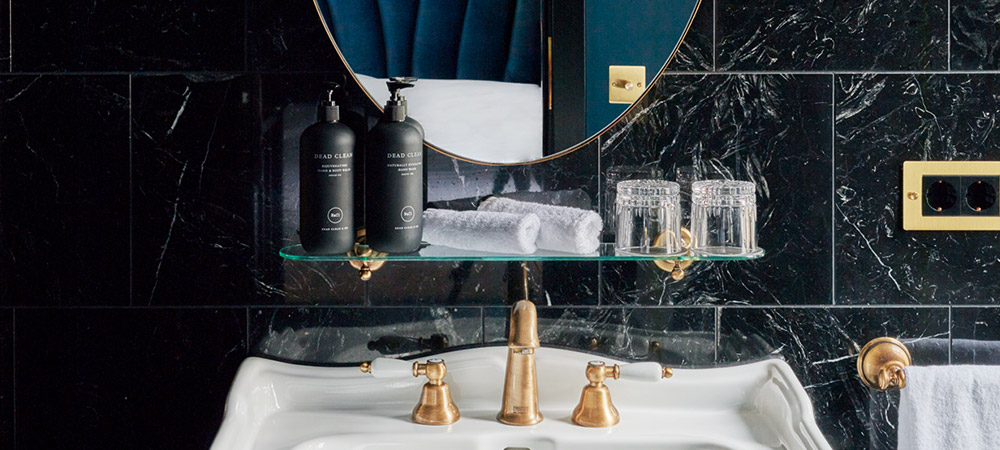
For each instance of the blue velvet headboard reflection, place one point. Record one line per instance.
(495, 40)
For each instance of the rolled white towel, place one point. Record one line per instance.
(564, 229)
(482, 231)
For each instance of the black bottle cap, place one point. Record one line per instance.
(328, 109)
(395, 108)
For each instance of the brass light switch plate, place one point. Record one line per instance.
(951, 195)
(626, 84)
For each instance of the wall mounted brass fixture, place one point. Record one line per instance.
(676, 268)
(626, 83)
(435, 406)
(364, 268)
(951, 195)
(881, 363)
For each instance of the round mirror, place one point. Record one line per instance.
(509, 81)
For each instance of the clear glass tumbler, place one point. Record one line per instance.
(615, 174)
(648, 218)
(724, 218)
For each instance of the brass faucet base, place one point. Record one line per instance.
(435, 406)
(520, 390)
(595, 408)
(520, 386)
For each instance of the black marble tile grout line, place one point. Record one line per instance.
(951, 338)
(246, 335)
(715, 15)
(10, 36)
(948, 42)
(600, 203)
(131, 206)
(718, 336)
(482, 329)
(13, 373)
(833, 189)
(246, 37)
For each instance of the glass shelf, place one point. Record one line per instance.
(439, 253)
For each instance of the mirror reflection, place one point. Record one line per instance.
(509, 81)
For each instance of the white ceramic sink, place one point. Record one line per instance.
(280, 406)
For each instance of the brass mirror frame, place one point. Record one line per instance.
(586, 142)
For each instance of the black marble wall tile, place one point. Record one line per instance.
(64, 183)
(318, 283)
(7, 378)
(882, 121)
(843, 35)
(136, 378)
(288, 36)
(196, 188)
(673, 336)
(485, 283)
(321, 335)
(123, 35)
(975, 336)
(774, 130)
(697, 52)
(975, 37)
(821, 345)
(445, 283)
(5, 37)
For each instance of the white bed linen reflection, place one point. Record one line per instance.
(488, 121)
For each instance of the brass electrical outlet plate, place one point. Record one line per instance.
(626, 84)
(961, 207)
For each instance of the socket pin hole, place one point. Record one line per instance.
(981, 195)
(941, 195)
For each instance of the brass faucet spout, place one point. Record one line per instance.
(520, 389)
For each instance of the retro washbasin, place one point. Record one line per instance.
(280, 406)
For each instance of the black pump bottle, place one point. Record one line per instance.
(410, 120)
(394, 178)
(326, 183)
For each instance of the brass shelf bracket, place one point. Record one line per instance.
(881, 363)
(365, 268)
(676, 268)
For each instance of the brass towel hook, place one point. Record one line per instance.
(881, 363)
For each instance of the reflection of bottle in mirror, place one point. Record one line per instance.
(394, 165)
(326, 183)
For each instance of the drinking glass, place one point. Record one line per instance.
(613, 176)
(648, 218)
(724, 218)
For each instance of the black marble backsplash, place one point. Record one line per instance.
(148, 178)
